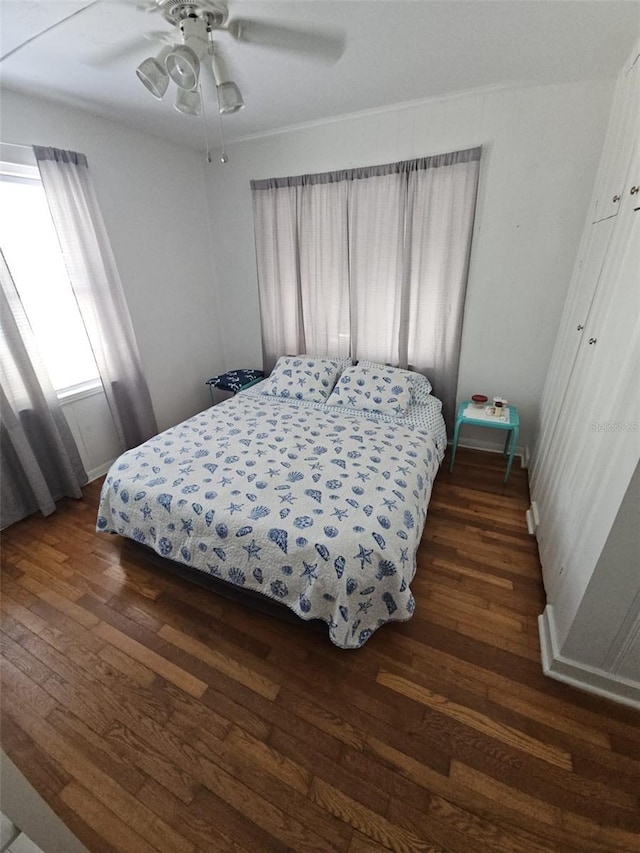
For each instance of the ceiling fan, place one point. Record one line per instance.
(189, 48)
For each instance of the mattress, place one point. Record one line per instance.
(318, 508)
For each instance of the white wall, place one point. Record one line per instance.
(196, 312)
(151, 194)
(541, 148)
(94, 431)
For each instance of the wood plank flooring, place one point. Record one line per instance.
(153, 715)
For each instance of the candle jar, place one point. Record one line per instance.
(499, 405)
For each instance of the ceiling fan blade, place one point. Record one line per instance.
(147, 6)
(163, 36)
(326, 46)
(140, 5)
(125, 49)
(131, 47)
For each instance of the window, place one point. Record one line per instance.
(370, 262)
(32, 252)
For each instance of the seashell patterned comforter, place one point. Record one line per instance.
(318, 507)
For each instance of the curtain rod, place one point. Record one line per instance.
(17, 145)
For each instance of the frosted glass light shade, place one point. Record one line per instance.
(153, 76)
(188, 102)
(183, 66)
(229, 98)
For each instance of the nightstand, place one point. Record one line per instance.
(235, 380)
(470, 414)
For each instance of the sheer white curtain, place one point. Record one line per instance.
(377, 207)
(96, 284)
(324, 269)
(301, 235)
(369, 262)
(441, 202)
(276, 235)
(39, 460)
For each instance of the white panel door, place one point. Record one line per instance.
(586, 276)
(622, 135)
(597, 443)
(608, 439)
(614, 172)
(569, 390)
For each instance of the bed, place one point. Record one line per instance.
(311, 489)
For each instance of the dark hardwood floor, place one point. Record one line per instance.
(153, 715)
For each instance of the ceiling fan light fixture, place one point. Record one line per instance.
(183, 66)
(153, 75)
(188, 102)
(229, 98)
(195, 35)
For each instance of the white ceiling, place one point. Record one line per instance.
(393, 52)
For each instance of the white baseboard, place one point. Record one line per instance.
(580, 675)
(100, 471)
(535, 512)
(488, 447)
(531, 525)
(24, 807)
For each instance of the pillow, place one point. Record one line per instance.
(302, 378)
(378, 389)
(341, 361)
(421, 386)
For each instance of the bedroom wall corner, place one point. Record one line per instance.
(230, 211)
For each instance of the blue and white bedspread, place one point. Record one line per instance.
(310, 505)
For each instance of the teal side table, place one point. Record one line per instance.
(477, 417)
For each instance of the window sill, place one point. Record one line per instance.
(79, 392)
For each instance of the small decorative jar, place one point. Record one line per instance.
(499, 406)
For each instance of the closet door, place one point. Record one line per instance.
(555, 455)
(610, 449)
(620, 143)
(597, 444)
(586, 276)
(622, 135)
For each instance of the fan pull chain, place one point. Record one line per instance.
(224, 157)
(204, 125)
